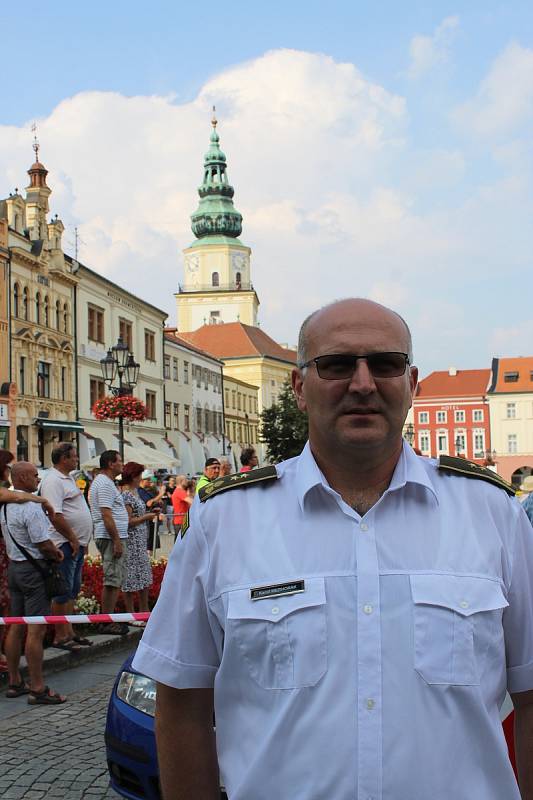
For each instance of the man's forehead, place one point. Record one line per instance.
(371, 331)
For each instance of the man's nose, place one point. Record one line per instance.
(362, 380)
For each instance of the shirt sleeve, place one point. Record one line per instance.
(182, 643)
(36, 523)
(518, 616)
(53, 491)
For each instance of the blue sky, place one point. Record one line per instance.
(385, 144)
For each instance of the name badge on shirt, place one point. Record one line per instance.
(277, 590)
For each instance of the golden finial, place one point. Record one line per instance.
(214, 120)
(35, 141)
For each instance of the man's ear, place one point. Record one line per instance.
(413, 382)
(298, 389)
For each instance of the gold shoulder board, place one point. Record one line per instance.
(237, 481)
(460, 466)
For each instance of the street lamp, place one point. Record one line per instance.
(120, 362)
(409, 433)
(246, 417)
(458, 447)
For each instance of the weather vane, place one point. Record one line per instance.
(214, 120)
(35, 141)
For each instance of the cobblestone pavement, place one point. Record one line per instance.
(57, 751)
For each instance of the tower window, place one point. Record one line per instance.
(215, 279)
(238, 280)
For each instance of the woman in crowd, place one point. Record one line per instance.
(139, 570)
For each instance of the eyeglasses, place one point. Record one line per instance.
(341, 366)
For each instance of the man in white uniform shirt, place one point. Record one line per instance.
(71, 532)
(111, 521)
(354, 615)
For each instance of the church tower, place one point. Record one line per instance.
(217, 285)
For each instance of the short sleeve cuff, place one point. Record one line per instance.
(172, 673)
(520, 679)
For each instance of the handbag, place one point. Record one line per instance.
(54, 581)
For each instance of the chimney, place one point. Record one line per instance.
(452, 372)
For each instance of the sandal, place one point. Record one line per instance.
(67, 644)
(82, 641)
(17, 689)
(45, 698)
(113, 628)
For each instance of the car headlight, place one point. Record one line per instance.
(137, 691)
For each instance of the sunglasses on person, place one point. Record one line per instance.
(341, 366)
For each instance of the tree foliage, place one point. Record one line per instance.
(283, 427)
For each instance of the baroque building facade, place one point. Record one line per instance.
(42, 334)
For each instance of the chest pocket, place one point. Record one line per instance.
(456, 619)
(283, 640)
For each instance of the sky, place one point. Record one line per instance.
(382, 150)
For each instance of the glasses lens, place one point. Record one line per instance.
(335, 367)
(386, 365)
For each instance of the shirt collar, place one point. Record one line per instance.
(409, 469)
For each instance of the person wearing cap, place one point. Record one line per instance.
(211, 471)
(527, 503)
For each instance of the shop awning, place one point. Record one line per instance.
(58, 425)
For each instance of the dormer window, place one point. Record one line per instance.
(510, 377)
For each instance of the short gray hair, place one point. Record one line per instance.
(302, 336)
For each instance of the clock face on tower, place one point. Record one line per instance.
(192, 265)
(238, 261)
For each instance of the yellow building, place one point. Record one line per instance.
(42, 290)
(7, 390)
(241, 413)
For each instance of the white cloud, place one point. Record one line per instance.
(427, 52)
(514, 340)
(504, 99)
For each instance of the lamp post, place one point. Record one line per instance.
(120, 363)
(247, 418)
(458, 448)
(409, 432)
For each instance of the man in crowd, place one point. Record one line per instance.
(225, 467)
(182, 498)
(27, 526)
(211, 472)
(356, 613)
(70, 532)
(110, 520)
(249, 459)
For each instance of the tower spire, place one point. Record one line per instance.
(216, 214)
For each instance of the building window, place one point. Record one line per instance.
(214, 317)
(460, 442)
(478, 415)
(58, 315)
(96, 389)
(22, 375)
(215, 279)
(423, 418)
(479, 443)
(125, 331)
(167, 415)
(63, 383)
(511, 410)
(25, 308)
(207, 420)
(43, 379)
(186, 418)
(206, 378)
(38, 308)
(226, 397)
(442, 441)
(185, 372)
(512, 443)
(459, 416)
(149, 345)
(166, 368)
(151, 404)
(65, 318)
(198, 419)
(46, 311)
(238, 279)
(239, 401)
(16, 300)
(424, 441)
(441, 417)
(176, 416)
(175, 369)
(234, 398)
(95, 329)
(510, 377)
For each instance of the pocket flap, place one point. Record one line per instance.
(273, 609)
(464, 594)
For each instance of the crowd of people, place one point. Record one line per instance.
(123, 508)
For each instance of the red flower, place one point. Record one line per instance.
(126, 406)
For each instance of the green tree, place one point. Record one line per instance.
(283, 427)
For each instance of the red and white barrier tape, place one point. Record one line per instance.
(75, 619)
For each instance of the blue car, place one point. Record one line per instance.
(130, 737)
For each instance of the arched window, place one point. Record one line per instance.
(58, 315)
(65, 318)
(16, 296)
(25, 304)
(238, 280)
(38, 308)
(46, 318)
(215, 279)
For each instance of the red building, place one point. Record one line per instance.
(451, 414)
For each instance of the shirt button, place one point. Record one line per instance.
(370, 704)
(368, 609)
(363, 527)
(275, 610)
(464, 604)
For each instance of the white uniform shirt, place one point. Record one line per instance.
(383, 679)
(104, 494)
(28, 525)
(65, 497)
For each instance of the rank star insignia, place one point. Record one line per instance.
(241, 480)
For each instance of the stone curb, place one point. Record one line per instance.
(57, 660)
